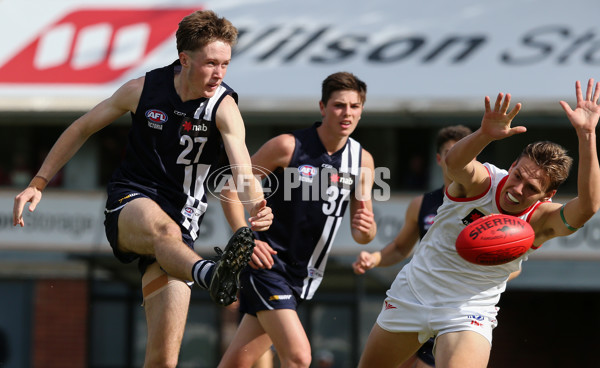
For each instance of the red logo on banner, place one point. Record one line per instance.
(93, 46)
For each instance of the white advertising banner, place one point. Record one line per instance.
(73, 222)
(414, 55)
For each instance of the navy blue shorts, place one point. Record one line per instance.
(265, 290)
(115, 202)
(425, 352)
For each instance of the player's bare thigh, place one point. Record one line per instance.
(248, 345)
(286, 332)
(388, 349)
(464, 349)
(141, 221)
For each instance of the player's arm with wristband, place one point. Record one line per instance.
(569, 217)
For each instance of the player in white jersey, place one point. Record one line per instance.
(438, 292)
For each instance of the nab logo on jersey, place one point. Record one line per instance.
(92, 46)
(472, 216)
(194, 127)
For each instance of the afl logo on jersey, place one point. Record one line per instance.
(156, 118)
(428, 221)
(307, 171)
(190, 212)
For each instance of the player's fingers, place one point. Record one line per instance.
(517, 130)
(258, 208)
(268, 261)
(262, 204)
(361, 226)
(264, 213)
(505, 103)
(261, 224)
(578, 93)
(565, 106)
(263, 253)
(359, 271)
(259, 258)
(356, 224)
(255, 262)
(514, 111)
(589, 89)
(486, 101)
(253, 265)
(34, 202)
(17, 219)
(260, 227)
(596, 93)
(364, 218)
(262, 209)
(498, 102)
(18, 211)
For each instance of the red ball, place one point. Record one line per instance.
(495, 239)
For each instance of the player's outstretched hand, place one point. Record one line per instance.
(262, 216)
(262, 257)
(496, 122)
(364, 262)
(586, 114)
(30, 194)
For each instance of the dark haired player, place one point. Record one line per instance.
(297, 245)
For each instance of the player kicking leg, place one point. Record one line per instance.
(226, 276)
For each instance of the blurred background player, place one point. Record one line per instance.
(297, 245)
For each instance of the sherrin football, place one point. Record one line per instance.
(494, 239)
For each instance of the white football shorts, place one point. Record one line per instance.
(403, 312)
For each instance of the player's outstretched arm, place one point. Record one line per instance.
(469, 177)
(124, 99)
(231, 126)
(584, 119)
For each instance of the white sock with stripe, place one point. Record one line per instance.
(202, 272)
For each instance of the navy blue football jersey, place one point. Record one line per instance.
(308, 207)
(428, 210)
(171, 147)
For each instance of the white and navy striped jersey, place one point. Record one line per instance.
(171, 147)
(308, 208)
